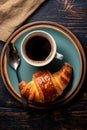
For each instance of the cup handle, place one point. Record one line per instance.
(59, 56)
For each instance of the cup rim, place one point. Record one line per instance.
(49, 57)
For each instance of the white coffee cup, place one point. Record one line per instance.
(38, 48)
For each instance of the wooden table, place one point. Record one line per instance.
(73, 116)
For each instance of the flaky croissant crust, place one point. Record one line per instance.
(46, 87)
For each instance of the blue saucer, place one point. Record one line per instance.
(67, 44)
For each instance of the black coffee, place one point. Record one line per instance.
(38, 48)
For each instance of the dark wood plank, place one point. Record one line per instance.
(73, 116)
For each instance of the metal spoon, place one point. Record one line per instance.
(14, 60)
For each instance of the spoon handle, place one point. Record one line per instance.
(18, 77)
(24, 100)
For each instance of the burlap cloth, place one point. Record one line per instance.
(13, 13)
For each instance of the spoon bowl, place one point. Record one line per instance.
(13, 58)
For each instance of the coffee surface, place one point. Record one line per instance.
(38, 48)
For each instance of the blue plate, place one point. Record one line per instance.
(67, 44)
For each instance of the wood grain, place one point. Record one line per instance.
(73, 116)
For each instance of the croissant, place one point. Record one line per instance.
(46, 87)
